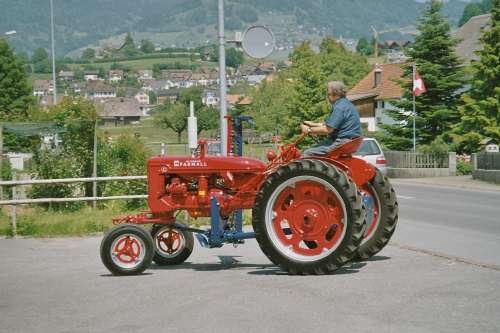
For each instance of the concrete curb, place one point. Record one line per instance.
(461, 182)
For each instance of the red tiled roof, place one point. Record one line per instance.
(388, 88)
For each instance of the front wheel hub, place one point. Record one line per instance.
(128, 251)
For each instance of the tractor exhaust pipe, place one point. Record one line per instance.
(192, 129)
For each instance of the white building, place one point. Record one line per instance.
(142, 98)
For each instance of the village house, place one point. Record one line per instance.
(42, 88)
(66, 76)
(115, 76)
(91, 75)
(77, 88)
(178, 78)
(374, 94)
(159, 85)
(145, 74)
(142, 98)
(210, 97)
(147, 85)
(469, 35)
(118, 111)
(98, 89)
(169, 95)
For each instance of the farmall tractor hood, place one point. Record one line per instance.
(209, 163)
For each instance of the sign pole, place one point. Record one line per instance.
(54, 83)
(222, 81)
(414, 110)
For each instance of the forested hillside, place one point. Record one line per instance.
(80, 23)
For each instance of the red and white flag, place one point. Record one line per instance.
(418, 84)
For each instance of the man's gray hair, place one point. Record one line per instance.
(338, 88)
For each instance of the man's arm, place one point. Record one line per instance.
(313, 124)
(320, 129)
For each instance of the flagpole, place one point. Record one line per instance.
(414, 110)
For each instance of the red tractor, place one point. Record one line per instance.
(309, 215)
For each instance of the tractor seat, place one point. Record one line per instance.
(347, 149)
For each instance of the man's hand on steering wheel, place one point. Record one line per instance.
(304, 128)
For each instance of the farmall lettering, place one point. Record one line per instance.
(190, 164)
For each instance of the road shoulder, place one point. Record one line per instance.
(463, 182)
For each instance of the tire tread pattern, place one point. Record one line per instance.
(354, 206)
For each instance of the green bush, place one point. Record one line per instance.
(464, 168)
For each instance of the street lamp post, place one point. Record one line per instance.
(54, 83)
(222, 81)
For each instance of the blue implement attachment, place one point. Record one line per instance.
(220, 233)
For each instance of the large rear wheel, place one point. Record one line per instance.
(308, 217)
(382, 215)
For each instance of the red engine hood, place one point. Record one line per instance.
(209, 164)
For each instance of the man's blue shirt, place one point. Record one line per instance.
(344, 119)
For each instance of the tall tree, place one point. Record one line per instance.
(480, 114)
(269, 104)
(41, 61)
(307, 96)
(128, 47)
(88, 53)
(173, 116)
(364, 47)
(433, 52)
(208, 118)
(147, 46)
(339, 64)
(39, 55)
(234, 58)
(473, 9)
(15, 92)
(75, 157)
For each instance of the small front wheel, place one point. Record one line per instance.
(172, 246)
(127, 250)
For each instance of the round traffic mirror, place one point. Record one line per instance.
(258, 42)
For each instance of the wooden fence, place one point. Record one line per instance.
(407, 159)
(488, 161)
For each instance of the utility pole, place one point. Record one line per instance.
(414, 110)
(222, 81)
(375, 38)
(94, 167)
(1, 158)
(54, 83)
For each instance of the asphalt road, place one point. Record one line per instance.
(60, 285)
(453, 221)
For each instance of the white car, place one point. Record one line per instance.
(371, 152)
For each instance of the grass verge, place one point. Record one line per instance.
(37, 222)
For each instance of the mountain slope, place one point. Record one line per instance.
(79, 23)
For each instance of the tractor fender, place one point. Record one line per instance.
(357, 169)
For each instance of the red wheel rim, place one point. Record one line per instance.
(169, 242)
(305, 218)
(127, 251)
(370, 195)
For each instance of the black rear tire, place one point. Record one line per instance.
(388, 218)
(184, 250)
(353, 220)
(121, 237)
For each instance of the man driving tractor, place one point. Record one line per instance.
(341, 126)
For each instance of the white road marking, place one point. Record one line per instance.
(404, 197)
